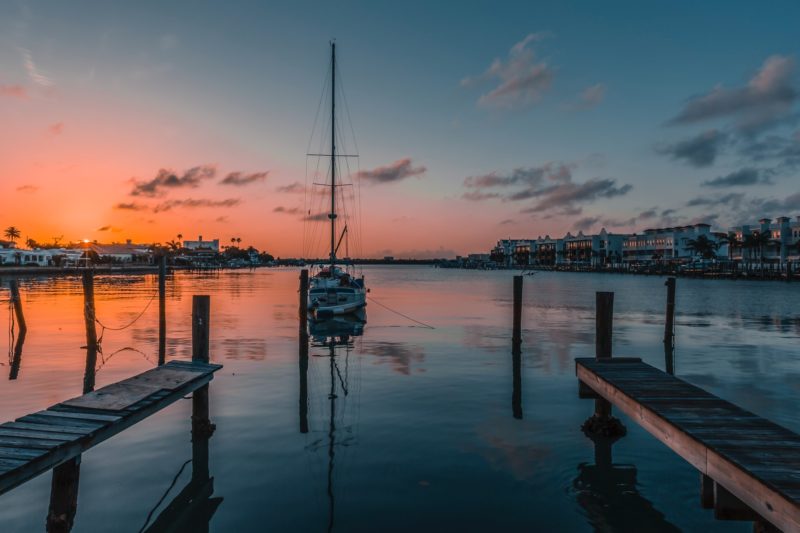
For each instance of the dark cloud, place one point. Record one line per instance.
(109, 228)
(783, 152)
(477, 196)
(287, 210)
(776, 207)
(318, 217)
(168, 179)
(766, 98)
(650, 213)
(130, 206)
(586, 223)
(27, 188)
(400, 169)
(569, 194)
(521, 79)
(732, 199)
(740, 178)
(14, 91)
(667, 212)
(223, 218)
(292, 188)
(528, 176)
(698, 151)
(506, 221)
(191, 203)
(239, 179)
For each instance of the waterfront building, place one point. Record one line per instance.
(766, 241)
(200, 244)
(123, 253)
(591, 250)
(669, 244)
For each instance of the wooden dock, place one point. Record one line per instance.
(751, 458)
(40, 441)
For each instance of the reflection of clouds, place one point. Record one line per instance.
(507, 449)
(401, 356)
(254, 349)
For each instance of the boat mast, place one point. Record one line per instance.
(332, 215)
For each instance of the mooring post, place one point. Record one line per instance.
(15, 297)
(91, 331)
(162, 310)
(202, 428)
(602, 424)
(669, 325)
(517, 335)
(303, 299)
(63, 496)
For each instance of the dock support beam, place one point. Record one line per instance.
(303, 312)
(162, 310)
(22, 329)
(602, 423)
(64, 496)
(517, 335)
(202, 428)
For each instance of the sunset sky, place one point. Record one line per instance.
(475, 121)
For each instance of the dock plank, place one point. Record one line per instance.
(40, 441)
(753, 458)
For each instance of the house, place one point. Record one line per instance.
(123, 253)
(667, 244)
(200, 244)
(778, 244)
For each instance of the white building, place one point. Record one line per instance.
(780, 243)
(200, 244)
(668, 244)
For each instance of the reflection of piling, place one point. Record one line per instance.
(17, 300)
(91, 331)
(669, 325)
(201, 311)
(303, 361)
(64, 496)
(303, 299)
(162, 309)
(602, 423)
(517, 336)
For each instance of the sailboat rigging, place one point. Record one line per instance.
(333, 289)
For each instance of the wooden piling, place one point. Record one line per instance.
(64, 496)
(162, 310)
(517, 335)
(201, 312)
(303, 362)
(669, 325)
(303, 299)
(91, 331)
(17, 300)
(516, 390)
(604, 324)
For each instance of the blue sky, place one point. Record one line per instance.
(591, 116)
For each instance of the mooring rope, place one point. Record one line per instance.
(126, 326)
(163, 496)
(104, 360)
(423, 324)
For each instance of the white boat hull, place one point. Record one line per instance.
(335, 294)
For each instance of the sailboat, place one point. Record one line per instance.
(333, 290)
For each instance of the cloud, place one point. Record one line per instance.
(776, 207)
(400, 169)
(240, 178)
(287, 210)
(192, 203)
(55, 129)
(318, 217)
(168, 179)
(14, 91)
(766, 98)
(477, 196)
(36, 75)
(27, 188)
(521, 79)
(733, 199)
(744, 177)
(699, 151)
(590, 97)
(109, 228)
(130, 206)
(292, 188)
(647, 214)
(551, 184)
(506, 221)
(586, 223)
(223, 218)
(784, 151)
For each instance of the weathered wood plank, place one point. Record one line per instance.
(33, 434)
(80, 416)
(45, 427)
(754, 459)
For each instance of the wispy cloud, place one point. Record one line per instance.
(287, 210)
(317, 217)
(400, 169)
(733, 199)
(292, 188)
(766, 98)
(240, 179)
(37, 76)
(27, 188)
(14, 91)
(590, 97)
(192, 203)
(743, 177)
(169, 179)
(130, 206)
(698, 151)
(110, 228)
(521, 78)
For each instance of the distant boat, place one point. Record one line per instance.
(334, 290)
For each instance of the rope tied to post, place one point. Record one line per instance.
(126, 326)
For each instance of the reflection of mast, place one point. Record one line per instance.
(331, 437)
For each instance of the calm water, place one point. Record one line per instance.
(424, 436)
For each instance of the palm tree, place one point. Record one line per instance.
(180, 236)
(30, 243)
(12, 233)
(174, 246)
(233, 241)
(238, 241)
(703, 246)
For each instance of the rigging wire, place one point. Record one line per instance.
(163, 496)
(423, 324)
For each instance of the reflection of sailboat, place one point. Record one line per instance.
(334, 290)
(333, 333)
